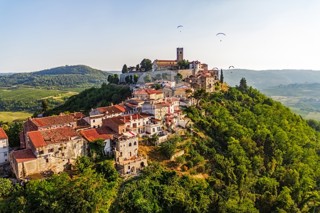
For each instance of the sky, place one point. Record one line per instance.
(106, 34)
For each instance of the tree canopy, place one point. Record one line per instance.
(146, 65)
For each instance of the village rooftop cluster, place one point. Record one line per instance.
(52, 144)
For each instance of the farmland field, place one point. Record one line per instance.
(13, 116)
(28, 99)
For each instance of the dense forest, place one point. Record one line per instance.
(93, 97)
(243, 153)
(66, 76)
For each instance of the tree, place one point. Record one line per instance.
(5, 187)
(137, 67)
(113, 79)
(183, 64)
(107, 169)
(13, 131)
(135, 78)
(179, 77)
(168, 148)
(243, 84)
(127, 79)
(156, 86)
(44, 105)
(221, 76)
(124, 68)
(146, 65)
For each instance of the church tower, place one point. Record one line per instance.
(179, 54)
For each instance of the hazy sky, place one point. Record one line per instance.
(261, 34)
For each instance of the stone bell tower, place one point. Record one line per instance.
(179, 54)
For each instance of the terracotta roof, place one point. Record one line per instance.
(77, 115)
(93, 134)
(120, 120)
(44, 137)
(36, 139)
(3, 134)
(140, 92)
(147, 91)
(111, 109)
(153, 91)
(23, 155)
(53, 120)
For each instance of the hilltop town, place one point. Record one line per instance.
(155, 110)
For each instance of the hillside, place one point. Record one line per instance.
(268, 78)
(92, 98)
(244, 153)
(66, 76)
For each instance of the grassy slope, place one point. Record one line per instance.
(12, 116)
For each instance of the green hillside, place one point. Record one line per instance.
(93, 97)
(243, 153)
(66, 76)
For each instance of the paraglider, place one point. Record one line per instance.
(220, 35)
(231, 67)
(179, 26)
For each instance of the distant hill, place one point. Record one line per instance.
(65, 76)
(269, 78)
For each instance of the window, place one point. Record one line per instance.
(93, 121)
(47, 160)
(130, 144)
(135, 143)
(5, 154)
(41, 152)
(51, 150)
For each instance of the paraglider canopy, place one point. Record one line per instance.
(220, 35)
(179, 27)
(231, 67)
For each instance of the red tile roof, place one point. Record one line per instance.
(111, 109)
(120, 120)
(36, 139)
(53, 120)
(3, 134)
(23, 155)
(93, 134)
(147, 91)
(44, 137)
(153, 91)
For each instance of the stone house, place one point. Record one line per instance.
(4, 147)
(134, 123)
(158, 110)
(133, 105)
(204, 80)
(46, 123)
(92, 135)
(127, 158)
(48, 150)
(148, 94)
(97, 115)
(153, 127)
